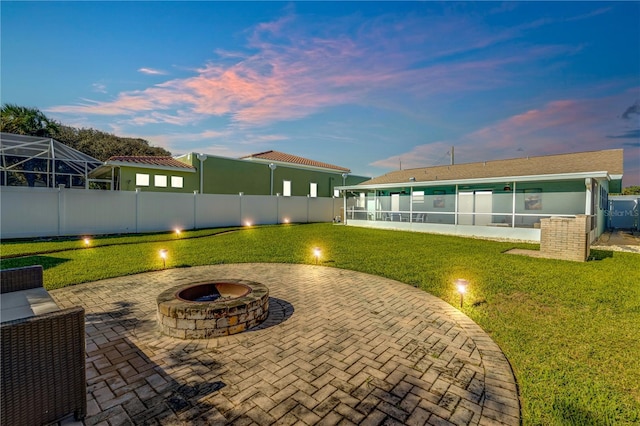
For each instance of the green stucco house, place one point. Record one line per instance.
(265, 173)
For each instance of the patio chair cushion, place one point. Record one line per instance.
(26, 303)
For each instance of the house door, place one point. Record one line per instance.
(475, 208)
(465, 208)
(483, 207)
(395, 202)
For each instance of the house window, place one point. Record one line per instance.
(160, 181)
(286, 188)
(418, 197)
(142, 179)
(176, 181)
(313, 190)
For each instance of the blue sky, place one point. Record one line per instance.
(364, 85)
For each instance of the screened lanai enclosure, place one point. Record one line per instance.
(43, 162)
(494, 208)
(504, 199)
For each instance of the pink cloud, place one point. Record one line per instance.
(290, 74)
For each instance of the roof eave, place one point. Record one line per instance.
(296, 165)
(187, 168)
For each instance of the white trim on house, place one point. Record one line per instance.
(187, 168)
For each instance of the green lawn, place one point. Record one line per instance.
(570, 330)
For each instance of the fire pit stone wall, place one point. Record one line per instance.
(203, 320)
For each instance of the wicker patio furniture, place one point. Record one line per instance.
(43, 353)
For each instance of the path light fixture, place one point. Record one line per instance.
(286, 220)
(178, 231)
(461, 285)
(163, 255)
(248, 223)
(316, 253)
(87, 241)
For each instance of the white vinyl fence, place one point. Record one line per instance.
(44, 212)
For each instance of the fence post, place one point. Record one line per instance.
(137, 207)
(195, 209)
(60, 208)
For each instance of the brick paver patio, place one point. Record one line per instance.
(339, 347)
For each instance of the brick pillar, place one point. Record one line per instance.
(565, 238)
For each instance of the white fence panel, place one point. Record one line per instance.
(163, 211)
(39, 212)
(28, 214)
(216, 211)
(293, 209)
(259, 209)
(322, 208)
(97, 212)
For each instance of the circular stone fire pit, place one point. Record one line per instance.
(212, 308)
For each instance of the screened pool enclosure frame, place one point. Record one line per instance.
(43, 162)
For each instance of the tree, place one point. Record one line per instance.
(102, 145)
(26, 121)
(631, 190)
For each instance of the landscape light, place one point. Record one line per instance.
(286, 220)
(316, 253)
(178, 231)
(87, 241)
(163, 255)
(248, 223)
(461, 285)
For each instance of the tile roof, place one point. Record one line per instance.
(150, 161)
(607, 160)
(293, 159)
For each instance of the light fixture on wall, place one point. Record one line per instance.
(507, 187)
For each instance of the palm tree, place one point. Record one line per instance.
(26, 121)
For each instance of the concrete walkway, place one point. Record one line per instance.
(338, 347)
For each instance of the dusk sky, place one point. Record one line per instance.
(363, 85)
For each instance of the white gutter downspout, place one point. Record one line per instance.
(272, 167)
(202, 157)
